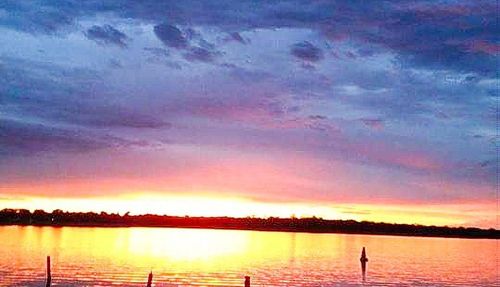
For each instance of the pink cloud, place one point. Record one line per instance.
(484, 47)
(389, 154)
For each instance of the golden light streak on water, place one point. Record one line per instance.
(199, 257)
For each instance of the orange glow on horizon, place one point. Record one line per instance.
(212, 205)
(192, 205)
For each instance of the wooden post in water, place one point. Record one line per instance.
(247, 281)
(49, 277)
(363, 256)
(150, 279)
(363, 260)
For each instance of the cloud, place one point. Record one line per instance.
(375, 124)
(485, 47)
(98, 115)
(106, 35)
(306, 51)
(235, 36)
(404, 69)
(171, 36)
(47, 18)
(436, 35)
(63, 97)
(18, 137)
(198, 54)
(157, 52)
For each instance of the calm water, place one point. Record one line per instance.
(198, 257)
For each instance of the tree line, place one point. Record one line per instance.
(311, 224)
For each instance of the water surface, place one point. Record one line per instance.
(201, 257)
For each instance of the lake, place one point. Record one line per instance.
(201, 257)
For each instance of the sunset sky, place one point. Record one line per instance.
(366, 110)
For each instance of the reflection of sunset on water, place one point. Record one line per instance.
(181, 246)
(201, 256)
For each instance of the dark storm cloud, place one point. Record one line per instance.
(306, 51)
(106, 35)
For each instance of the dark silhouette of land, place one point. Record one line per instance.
(313, 224)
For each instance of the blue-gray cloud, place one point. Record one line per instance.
(24, 138)
(63, 97)
(307, 51)
(438, 35)
(106, 35)
(199, 54)
(235, 36)
(50, 108)
(171, 36)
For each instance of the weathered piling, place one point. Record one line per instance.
(150, 279)
(363, 261)
(49, 277)
(247, 281)
(363, 256)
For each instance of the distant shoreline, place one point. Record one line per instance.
(59, 218)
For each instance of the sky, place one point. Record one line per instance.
(366, 110)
